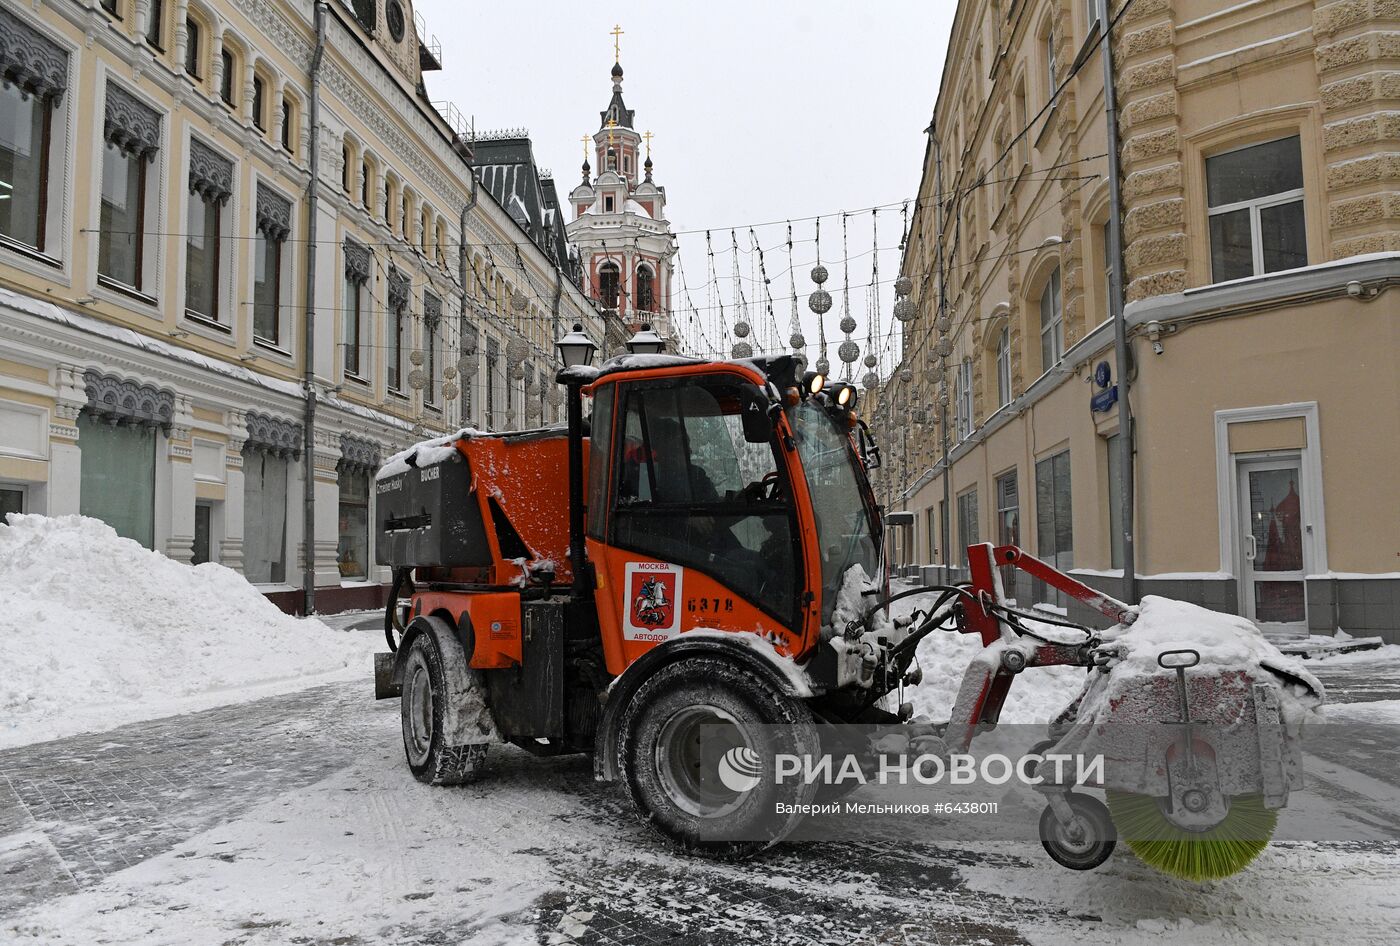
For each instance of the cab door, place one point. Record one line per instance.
(700, 530)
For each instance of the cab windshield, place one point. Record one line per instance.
(835, 480)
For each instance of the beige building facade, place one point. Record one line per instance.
(1260, 151)
(170, 225)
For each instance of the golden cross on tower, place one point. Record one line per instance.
(617, 45)
(612, 123)
(648, 136)
(586, 139)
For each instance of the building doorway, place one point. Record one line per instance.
(1273, 534)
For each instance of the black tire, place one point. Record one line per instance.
(1092, 847)
(421, 718)
(674, 732)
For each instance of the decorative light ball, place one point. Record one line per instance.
(741, 329)
(449, 372)
(517, 349)
(741, 350)
(823, 366)
(518, 302)
(819, 274)
(554, 396)
(848, 352)
(904, 309)
(906, 375)
(417, 379)
(415, 357)
(945, 347)
(870, 361)
(848, 324)
(797, 340)
(903, 285)
(532, 409)
(517, 370)
(871, 381)
(819, 302)
(449, 390)
(467, 366)
(944, 324)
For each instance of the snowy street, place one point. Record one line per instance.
(292, 819)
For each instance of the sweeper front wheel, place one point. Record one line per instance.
(1086, 841)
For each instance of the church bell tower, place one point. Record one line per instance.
(624, 240)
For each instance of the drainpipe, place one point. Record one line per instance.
(946, 516)
(1115, 309)
(308, 478)
(467, 208)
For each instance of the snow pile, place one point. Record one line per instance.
(424, 453)
(1224, 641)
(1037, 696)
(97, 631)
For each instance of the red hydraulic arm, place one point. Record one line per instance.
(989, 676)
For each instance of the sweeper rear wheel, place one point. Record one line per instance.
(1217, 852)
(1084, 843)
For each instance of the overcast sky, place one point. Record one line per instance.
(762, 110)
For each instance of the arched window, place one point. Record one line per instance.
(1004, 366)
(1052, 325)
(646, 295)
(607, 284)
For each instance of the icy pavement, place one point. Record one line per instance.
(292, 819)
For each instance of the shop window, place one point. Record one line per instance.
(1255, 198)
(11, 501)
(117, 476)
(265, 478)
(968, 533)
(203, 534)
(352, 553)
(1054, 527)
(1052, 323)
(1008, 510)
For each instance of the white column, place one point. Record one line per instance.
(230, 551)
(247, 109)
(178, 514)
(216, 58)
(179, 32)
(275, 106)
(327, 455)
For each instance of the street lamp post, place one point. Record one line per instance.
(575, 351)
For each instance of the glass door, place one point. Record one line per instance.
(1273, 546)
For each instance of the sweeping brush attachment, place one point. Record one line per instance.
(1220, 851)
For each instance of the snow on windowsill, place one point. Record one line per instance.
(1160, 576)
